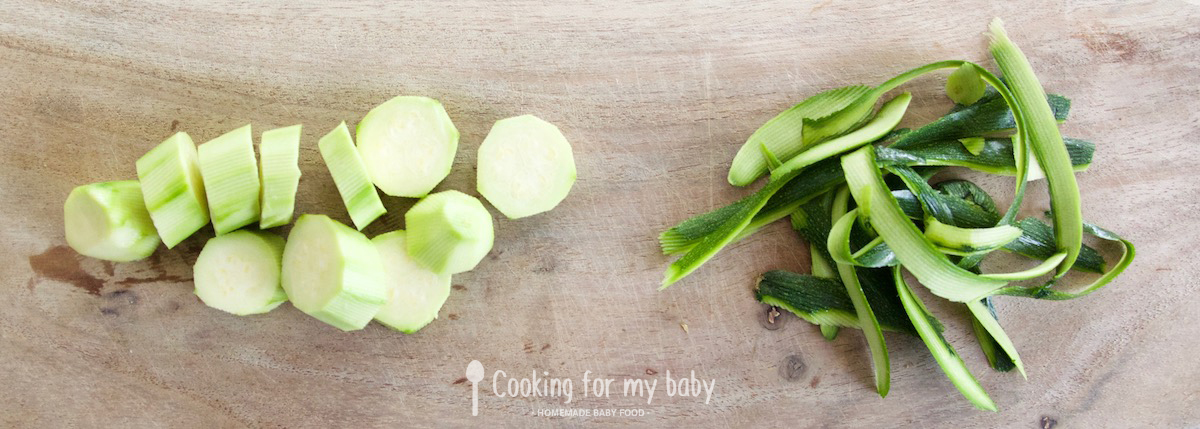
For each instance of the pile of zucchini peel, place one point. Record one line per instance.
(864, 196)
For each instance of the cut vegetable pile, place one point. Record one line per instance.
(333, 272)
(862, 194)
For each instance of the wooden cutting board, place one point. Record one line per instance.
(656, 97)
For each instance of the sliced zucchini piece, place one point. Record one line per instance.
(525, 166)
(279, 153)
(415, 294)
(238, 272)
(231, 179)
(408, 145)
(449, 232)
(173, 189)
(350, 176)
(333, 273)
(109, 221)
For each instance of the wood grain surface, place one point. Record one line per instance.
(656, 97)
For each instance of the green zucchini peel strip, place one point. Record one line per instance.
(930, 330)
(997, 358)
(889, 114)
(824, 301)
(969, 240)
(862, 308)
(930, 266)
(787, 134)
(1044, 140)
(985, 317)
(1044, 291)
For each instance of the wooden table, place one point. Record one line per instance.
(656, 98)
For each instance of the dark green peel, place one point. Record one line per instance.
(824, 301)
(986, 117)
(996, 357)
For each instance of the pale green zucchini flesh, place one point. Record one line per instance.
(238, 272)
(449, 232)
(964, 85)
(849, 275)
(969, 240)
(1045, 143)
(109, 221)
(230, 175)
(415, 294)
(350, 176)
(173, 189)
(525, 166)
(333, 273)
(279, 172)
(407, 145)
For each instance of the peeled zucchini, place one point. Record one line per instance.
(230, 179)
(173, 189)
(350, 176)
(415, 294)
(238, 272)
(408, 145)
(333, 273)
(278, 154)
(109, 221)
(449, 232)
(525, 166)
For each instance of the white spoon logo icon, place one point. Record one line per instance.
(474, 375)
